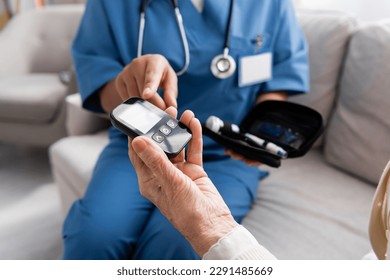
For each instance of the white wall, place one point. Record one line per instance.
(367, 10)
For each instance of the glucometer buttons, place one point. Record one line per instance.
(171, 123)
(158, 137)
(165, 130)
(161, 134)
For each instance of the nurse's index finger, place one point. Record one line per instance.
(154, 74)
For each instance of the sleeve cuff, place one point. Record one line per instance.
(239, 244)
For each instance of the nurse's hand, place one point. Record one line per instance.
(181, 189)
(142, 78)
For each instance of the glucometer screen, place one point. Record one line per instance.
(137, 116)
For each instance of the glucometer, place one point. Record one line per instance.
(138, 117)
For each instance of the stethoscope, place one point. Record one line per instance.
(222, 66)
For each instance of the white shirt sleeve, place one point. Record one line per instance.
(239, 244)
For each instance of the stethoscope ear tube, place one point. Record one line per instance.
(183, 36)
(141, 33)
(179, 19)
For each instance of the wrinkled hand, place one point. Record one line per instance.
(181, 189)
(144, 76)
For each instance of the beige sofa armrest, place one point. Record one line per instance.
(39, 40)
(80, 121)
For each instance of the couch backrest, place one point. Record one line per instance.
(328, 35)
(39, 40)
(358, 137)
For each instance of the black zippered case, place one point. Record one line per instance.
(291, 126)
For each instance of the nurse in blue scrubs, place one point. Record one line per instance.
(118, 55)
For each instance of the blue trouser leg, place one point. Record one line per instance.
(106, 223)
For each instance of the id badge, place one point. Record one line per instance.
(255, 69)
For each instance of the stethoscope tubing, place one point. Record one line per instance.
(183, 36)
(214, 68)
(187, 56)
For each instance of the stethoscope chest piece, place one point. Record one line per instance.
(223, 66)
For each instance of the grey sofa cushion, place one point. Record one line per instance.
(328, 34)
(31, 98)
(309, 210)
(358, 138)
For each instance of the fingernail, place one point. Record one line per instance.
(147, 91)
(138, 145)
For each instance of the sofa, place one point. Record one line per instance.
(316, 206)
(35, 59)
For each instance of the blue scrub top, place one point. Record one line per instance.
(108, 36)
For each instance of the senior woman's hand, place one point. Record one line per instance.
(181, 189)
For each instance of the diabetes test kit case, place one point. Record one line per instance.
(290, 126)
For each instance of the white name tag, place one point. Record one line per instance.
(255, 69)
